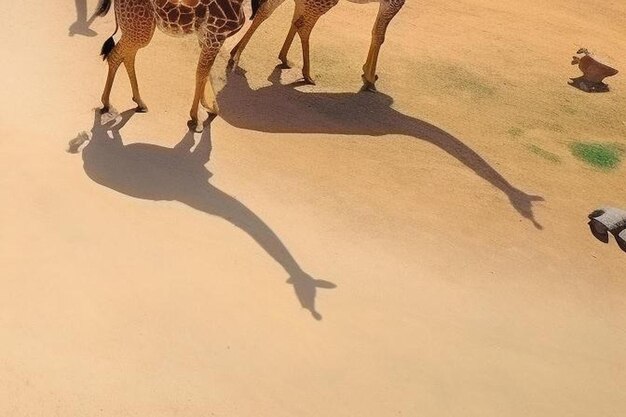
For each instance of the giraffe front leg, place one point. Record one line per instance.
(388, 9)
(210, 48)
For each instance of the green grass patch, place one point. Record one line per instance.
(600, 155)
(552, 157)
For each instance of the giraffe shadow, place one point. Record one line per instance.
(81, 25)
(281, 108)
(158, 173)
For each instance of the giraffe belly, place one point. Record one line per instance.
(182, 17)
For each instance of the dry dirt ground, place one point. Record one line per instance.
(147, 275)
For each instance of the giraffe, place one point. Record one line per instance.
(211, 20)
(305, 16)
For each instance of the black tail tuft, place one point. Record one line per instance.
(104, 7)
(107, 47)
(255, 7)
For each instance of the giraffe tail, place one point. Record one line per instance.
(109, 44)
(107, 47)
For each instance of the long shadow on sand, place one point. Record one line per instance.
(158, 173)
(280, 108)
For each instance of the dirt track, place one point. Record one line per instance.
(148, 276)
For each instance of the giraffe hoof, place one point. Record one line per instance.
(141, 106)
(284, 64)
(105, 109)
(309, 80)
(193, 125)
(368, 85)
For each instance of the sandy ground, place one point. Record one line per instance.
(148, 274)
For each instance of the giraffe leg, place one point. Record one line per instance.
(115, 58)
(304, 30)
(210, 49)
(285, 49)
(289, 40)
(388, 9)
(141, 30)
(265, 10)
(304, 25)
(136, 33)
(129, 63)
(208, 99)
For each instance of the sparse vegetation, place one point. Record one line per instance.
(460, 79)
(515, 132)
(544, 154)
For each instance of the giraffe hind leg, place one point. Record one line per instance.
(114, 58)
(137, 33)
(208, 99)
(265, 10)
(293, 29)
(304, 25)
(122, 52)
(388, 9)
(129, 63)
(304, 28)
(286, 46)
(210, 48)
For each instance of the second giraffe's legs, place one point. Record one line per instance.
(388, 9)
(210, 48)
(312, 11)
(265, 10)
